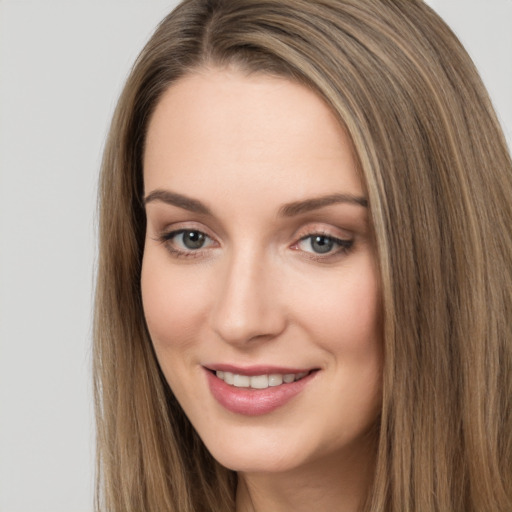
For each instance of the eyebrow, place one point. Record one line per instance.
(288, 210)
(181, 201)
(299, 207)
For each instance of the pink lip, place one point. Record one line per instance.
(254, 402)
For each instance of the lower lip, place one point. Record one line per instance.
(254, 402)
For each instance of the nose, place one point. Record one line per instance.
(247, 306)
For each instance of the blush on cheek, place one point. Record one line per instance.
(171, 306)
(165, 323)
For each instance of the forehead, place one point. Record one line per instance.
(225, 128)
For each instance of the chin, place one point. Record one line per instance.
(255, 461)
(254, 449)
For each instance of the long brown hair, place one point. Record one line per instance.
(439, 182)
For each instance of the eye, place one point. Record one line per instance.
(186, 241)
(323, 244)
(191, 239)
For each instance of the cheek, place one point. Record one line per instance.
(349, 329)
(343, 314)
(344, 310)
(174, 305)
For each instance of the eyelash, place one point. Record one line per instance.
(343, 246)
(167, 239)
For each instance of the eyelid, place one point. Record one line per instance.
(167, 235)
(323, 229)
(344, 242)
(176, 227)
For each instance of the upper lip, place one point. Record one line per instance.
(257, 369)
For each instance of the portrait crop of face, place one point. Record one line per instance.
(259, 278)
(225, 291)
(304, 272)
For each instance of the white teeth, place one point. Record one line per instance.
(241, 381)
(275, 380)
(259, 381)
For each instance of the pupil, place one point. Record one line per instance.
(193, 239)
(321, 244)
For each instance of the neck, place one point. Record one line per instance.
(336, 482)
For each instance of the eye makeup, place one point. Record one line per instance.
(318, 245)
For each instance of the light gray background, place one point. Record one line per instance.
(62, 65)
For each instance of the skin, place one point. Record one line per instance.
(258, 292)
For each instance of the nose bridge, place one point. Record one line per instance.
(246, 307)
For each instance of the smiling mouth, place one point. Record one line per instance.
(263, 381)
(253, 391)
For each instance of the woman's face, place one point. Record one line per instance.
(259, 265)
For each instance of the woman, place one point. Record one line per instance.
(305, 272)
